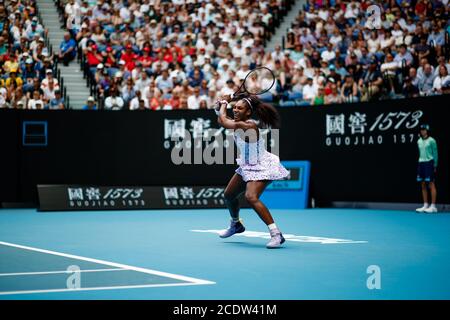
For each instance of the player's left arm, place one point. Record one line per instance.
(222, 114)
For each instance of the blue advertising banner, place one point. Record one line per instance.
(291, 193)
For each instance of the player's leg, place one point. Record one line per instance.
(252, 195)
(433, 192)
(421, 178)
(424, 187)
(430, 176)
(234, 189)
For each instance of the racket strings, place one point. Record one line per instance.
(259, 81)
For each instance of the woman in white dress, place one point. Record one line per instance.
(257, 167)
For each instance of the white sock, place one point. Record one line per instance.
(425, 205)
(433, 205)
(272, 226)
(236, 219)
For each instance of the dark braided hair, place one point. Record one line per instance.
(265, 112)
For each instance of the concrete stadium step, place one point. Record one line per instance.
(78, 86)
(72, 69)
(78, 92)
(47, 17)
(78, 96)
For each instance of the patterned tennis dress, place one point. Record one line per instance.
(256, 163)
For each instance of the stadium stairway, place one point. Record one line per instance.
(281, 31)
(72, 75)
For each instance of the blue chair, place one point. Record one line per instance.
(287, 104)
(295, 95)
(302, 103)
(266, 97)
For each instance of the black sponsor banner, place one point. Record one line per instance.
(365, 152)
(75, 197)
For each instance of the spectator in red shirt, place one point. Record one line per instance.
(129, 57)
(420, 8)
(110, 59)
(175, 101)
(146, 59)
(168, 57)
(93, 57)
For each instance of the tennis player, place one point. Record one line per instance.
(426, 172)
(257, 167)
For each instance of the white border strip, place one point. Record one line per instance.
(103, 288)
(56, 272)
(192, 281)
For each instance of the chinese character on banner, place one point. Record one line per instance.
(75, 194)
(357, 122)
(335, 124)
(187, 193)
(198, 126)
(92, 193)
(174, 128)
(171, 193)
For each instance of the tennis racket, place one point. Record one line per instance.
(258, 81)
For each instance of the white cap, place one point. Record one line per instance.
(29, 61)
(118, 74)
(91, 99)
(100, 66)
(48, 71)
(122, 62)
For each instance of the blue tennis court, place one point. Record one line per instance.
(177, 254)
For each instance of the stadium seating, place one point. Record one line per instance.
(29, 76)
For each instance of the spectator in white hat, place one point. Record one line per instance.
(90, 104)
(48, 77)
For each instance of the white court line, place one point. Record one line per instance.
(288, 237)
(56, 272)
(192, 281)
(104, 288)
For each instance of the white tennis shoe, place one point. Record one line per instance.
(431, 209)
(276, 239)
(422, 209)
(235, 227)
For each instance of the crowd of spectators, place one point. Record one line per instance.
(335, 54)
(156, 54)
(27, 71)
(184, 54)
